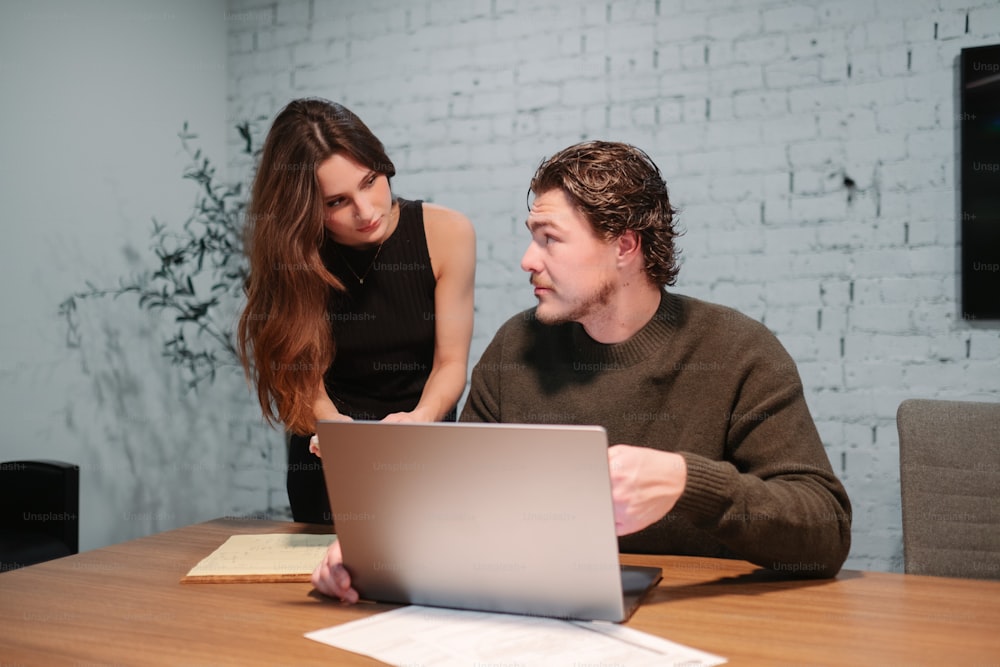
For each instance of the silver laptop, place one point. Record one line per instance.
(509, 518)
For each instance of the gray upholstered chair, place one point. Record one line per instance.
(949, 470)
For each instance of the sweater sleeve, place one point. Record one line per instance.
(774, 500)
(483, 402)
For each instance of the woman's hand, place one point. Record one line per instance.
(314, 440)
(331, 578)
(415, 415)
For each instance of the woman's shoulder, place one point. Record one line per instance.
(448, 232)
(442, 220)
(451, 242)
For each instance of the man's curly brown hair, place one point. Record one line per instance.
(617, 188)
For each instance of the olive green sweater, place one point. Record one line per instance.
(706, 382)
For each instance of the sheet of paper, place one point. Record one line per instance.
(433, 637)
(262, 558)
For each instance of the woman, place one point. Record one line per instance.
(359, 303)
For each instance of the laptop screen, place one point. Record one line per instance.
(497, 517)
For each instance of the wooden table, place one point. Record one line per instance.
(124, 605)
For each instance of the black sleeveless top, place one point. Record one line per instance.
(383, 325)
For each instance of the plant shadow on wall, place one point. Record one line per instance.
(181, 427)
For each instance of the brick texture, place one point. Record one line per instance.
(810, 145)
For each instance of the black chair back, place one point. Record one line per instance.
(39, 512)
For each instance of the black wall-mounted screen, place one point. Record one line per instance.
(980, 164)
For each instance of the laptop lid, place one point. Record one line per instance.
(494, 517)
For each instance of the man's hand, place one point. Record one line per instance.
(331, 578)
(645, 485)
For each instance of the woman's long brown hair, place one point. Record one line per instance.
(284, 337)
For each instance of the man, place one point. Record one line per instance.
(714, 451)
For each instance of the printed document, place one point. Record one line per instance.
(435, 637)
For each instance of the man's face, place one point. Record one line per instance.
(573, 271)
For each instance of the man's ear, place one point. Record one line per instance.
(629, 247)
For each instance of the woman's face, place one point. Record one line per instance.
(357, 202)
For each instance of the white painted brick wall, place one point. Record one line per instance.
(755, 110)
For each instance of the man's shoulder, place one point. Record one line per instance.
(714, 323)
(733, 335)
(707, 314)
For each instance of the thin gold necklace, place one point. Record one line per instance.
(361, 278)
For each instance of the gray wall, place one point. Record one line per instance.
(93, 97)
(755, 110)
